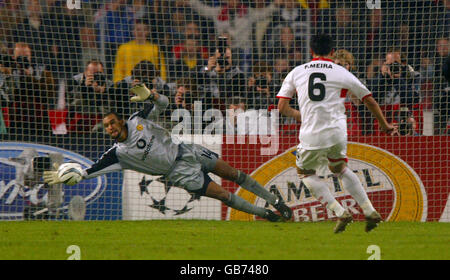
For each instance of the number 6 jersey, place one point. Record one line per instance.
(321, 88)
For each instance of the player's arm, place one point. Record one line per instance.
(285, 95)
(142, 93)
(360, 91)
(286, 110)
(375, 109)
(107, 163)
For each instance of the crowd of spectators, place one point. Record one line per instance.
(104, 48)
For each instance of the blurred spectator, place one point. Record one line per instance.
(405, 40)
(139, 9)
(114, 22)
(377, 34)
(396, 83)
(446, 69)
(441, 100)
(286, 46)
(65, 28)
(374, 66)
(281, 68)
(259, 31)
(261, 88)
(36, 32)
(89, 48)
(343, 24)
(32, 95)
(191, 31)
(131, 53)
(184, 95)
(6, 89)
(291, 15)
(191, 56)
(407, 124)
(12, 14)
(443, 21)
(155, 13)
(220, 80)
(345, 59)
(236, 19)
(177, 25)
(235, 106)
(426, 68)
(88, 97)
(236, 103)
(426, 71)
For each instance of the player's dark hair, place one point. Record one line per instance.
(145, 70)
(322, 44)
(118, 116)
(141, 21)
(96, 62)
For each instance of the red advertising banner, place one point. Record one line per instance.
(406, 177)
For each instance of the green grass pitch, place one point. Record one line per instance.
(221, 240)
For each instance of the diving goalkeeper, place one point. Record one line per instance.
(144, 146)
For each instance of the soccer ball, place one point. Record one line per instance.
(70, 173)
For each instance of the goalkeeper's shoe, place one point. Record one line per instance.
(343, 221)
(271, 216)
(285, 211)
(372, 221)
(142, 93)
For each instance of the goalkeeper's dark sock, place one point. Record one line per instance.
(251, 185)
(243, 205)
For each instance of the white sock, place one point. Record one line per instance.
(353, 185)
(321, 192)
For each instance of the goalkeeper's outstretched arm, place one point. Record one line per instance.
(286, 110)
(142, 94)
(107, 163)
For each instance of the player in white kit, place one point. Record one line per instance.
(144, 146)
(321, 87)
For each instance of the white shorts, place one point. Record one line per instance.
(321, 158)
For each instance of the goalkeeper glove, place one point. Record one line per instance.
(51, 177)
(54, 177)
(142, 93)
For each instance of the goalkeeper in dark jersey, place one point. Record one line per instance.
(144, 146)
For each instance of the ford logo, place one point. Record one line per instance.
(16, 166)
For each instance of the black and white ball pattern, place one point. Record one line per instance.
(70, 173)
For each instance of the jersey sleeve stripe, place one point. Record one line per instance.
(370, 94)
(106, 161)
(322, 58)
(338, 159)
(284, 97)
